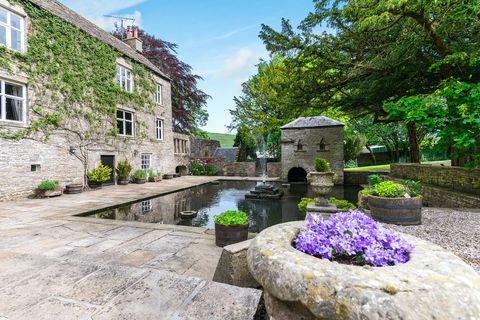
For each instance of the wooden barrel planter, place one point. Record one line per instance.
(188, 215)
(123, 181)
(94, 185)
(140, 180)
(74, 188)
(229, 234)
(400, 211)
(168, 176)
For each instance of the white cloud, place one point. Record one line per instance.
(239, 65)
(236, 31)
(95, 10)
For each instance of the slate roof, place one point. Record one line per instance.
(77, 20)
(312, 122)
(228, 154)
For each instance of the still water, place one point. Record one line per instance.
(210, 200)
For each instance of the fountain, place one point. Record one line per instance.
(264, 190)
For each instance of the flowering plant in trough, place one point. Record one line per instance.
(352, 238)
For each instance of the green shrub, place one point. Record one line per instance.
(373, 180)
(140, 174)
(231, 217)
(390, 189)
(342, 204)
(321, 165)
(99, 174)
(197, 169)
(414, 187)
(366, 192)
(210, 170)
(153, 174)
(47, 185)
(123, 170)
(302, 205)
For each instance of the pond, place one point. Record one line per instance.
(210, 200)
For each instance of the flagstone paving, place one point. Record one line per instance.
(56, 266)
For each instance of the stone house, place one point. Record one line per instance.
(51, 127)
(305, 139)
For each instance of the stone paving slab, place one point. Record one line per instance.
(57, 266)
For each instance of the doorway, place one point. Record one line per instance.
(109, 161)
(297, 175)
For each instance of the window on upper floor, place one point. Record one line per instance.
(159, 94)
(11, 30)
(125, 78)
(12, 102)
(125, 123)
(159, 129)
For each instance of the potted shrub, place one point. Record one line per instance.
(48, 188)
(98, 175)
(154, 176)
(231, 227)
(140, 176)
(350, 267)
(321, 180)
(123, 170)
(397, 203)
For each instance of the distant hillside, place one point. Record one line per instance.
(226, 140)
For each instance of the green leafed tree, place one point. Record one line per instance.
(379, 51)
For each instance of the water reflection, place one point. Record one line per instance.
(210, 200)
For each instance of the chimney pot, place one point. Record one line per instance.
(133, 40)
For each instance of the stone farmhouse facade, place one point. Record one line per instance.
(143, 136)
(305, 139)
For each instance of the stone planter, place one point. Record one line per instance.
(321, 182)
(401, 211)
(123, 181)
(155, 179)
(74, 188)
(434, 284)
(94, 185)
(49, 193)
(229, 234)
(140, 180)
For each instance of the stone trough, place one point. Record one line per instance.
(434, 284)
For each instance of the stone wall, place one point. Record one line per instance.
(454, 178)
(218, 163)
(358, 178)
(203, 148)
(310, 139)
(181, 143)
(241, 169)
(445, 198)
(274, 169)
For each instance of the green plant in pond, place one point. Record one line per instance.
(342, 204)
(99, 174)
(374, 179)
(302, 205)
(140, 174)
(414, 187)
(47, 185)
(123, 170)
(321, 165)
(231, 217)
(390, 189)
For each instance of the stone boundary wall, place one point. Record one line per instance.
(242, 169)
(358, 178)
(274, 169)
(445, 198)
(454, 178)
(203, 148)
(218, 163)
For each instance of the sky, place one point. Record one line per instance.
(218, 38)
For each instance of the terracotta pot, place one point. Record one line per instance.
(321, 182)
(401, 211)
(230, 234)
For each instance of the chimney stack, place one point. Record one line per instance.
(133, 40)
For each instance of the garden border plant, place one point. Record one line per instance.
(98, 175)
(231, 227)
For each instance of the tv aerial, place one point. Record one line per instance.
(122, 21)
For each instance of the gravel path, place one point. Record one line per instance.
(455, 230)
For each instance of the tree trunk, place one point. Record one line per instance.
(372, 155)
(413, 143)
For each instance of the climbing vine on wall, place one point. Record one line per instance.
(72, 76)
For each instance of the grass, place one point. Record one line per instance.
(384, 167)
(226, 140)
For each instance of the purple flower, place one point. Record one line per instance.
(352, 237)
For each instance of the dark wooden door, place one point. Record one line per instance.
(110, 162)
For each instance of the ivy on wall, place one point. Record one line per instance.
(71, 75)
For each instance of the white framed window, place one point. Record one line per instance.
(11, 30)
(147, 206)
(146, 161)
(159, 94)
(159, 129)
(125, 123)
(125, 78)
(13, 102)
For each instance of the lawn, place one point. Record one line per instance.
(384, 167)
(226, 140)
